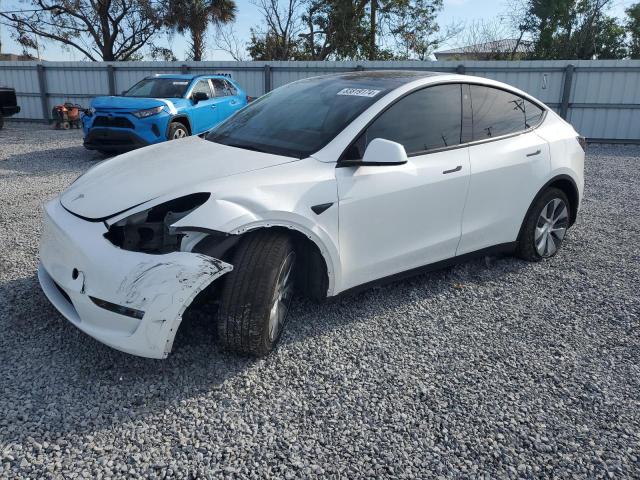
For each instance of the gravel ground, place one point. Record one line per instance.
(494, 368)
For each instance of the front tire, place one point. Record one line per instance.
(545, 227)
(177, 130)
(256, 295)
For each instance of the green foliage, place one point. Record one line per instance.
(574, 29)
(633, 27)
(413, 25)
(333, 28)
(271, 46)
(348, 29)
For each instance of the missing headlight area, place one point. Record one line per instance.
(148, 231)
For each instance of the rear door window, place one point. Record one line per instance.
(230, 89)
(221, 87)
(498, 112)
(425, 120)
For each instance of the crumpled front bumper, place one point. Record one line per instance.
(128, 300)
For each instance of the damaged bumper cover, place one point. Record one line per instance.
(130, 301)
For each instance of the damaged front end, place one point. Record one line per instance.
(126, 284)
(151, 231)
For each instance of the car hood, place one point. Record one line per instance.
(131, 103)
(128, 180)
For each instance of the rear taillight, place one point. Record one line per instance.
(583, 142)
(249, 99)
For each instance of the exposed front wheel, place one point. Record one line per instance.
(545, 226)
(177, 130)
(256, 295)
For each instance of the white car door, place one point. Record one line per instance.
(505, 173)
(399, 217)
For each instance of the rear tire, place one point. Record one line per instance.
(1, 121)
(256, 295)
(545, 227)
(176, 131)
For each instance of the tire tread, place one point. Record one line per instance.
(246, 295)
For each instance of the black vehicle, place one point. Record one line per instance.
(8, 104)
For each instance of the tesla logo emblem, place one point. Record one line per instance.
(78, 197)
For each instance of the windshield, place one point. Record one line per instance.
(159, 88)
(300, 118)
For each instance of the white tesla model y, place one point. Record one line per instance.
(319, 187)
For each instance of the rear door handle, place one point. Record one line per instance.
(533, 154)
(457, 169)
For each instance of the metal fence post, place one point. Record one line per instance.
(267, 78)
(566, 91)
(111, 77)
(460, 69)
(44, 95)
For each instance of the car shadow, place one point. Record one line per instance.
(317, 319)
(68, 382)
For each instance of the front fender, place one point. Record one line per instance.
(235, 219)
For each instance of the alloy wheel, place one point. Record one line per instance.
(282, 297)
(551, 227)
(179, 133)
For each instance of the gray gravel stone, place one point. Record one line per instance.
(490, 369)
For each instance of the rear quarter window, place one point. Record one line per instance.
(498, 112)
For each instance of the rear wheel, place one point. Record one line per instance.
(256, 295)
(177, 130)
(545, 226)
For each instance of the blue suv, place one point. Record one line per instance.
(159, 108)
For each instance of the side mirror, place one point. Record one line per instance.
(380, 152)
(199, 97)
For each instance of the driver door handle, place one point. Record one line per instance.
(533, 154)
(457, 169)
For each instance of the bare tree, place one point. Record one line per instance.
(226, 39)
(518, 20)
(99, 29)
(489, 40)
(278, 39)
(413, 42)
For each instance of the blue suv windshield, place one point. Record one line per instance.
(300, 118)
(159, 88)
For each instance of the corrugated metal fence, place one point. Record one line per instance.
(601, 98)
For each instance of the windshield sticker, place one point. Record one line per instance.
(358, 92)
(180, 83)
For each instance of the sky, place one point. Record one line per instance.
(454, 11)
